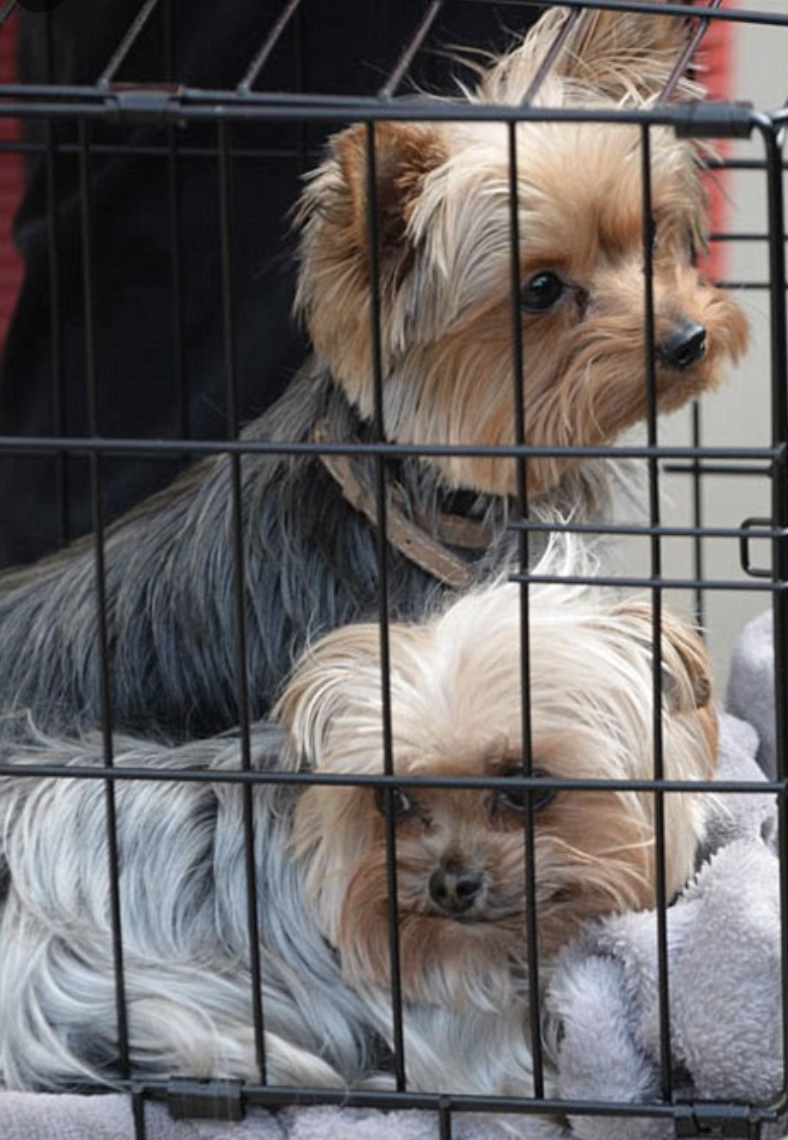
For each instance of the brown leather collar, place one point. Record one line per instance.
(425, 543)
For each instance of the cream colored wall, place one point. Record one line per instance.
(739, 414)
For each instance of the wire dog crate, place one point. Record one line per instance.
(163, 154)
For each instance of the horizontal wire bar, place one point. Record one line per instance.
(118, 446)
(281, 1095)
(716, 469)
(650, 530)
(735, 585)
(283, 778)
(747, 286)
(164, 105)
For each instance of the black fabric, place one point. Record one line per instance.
(149, 258)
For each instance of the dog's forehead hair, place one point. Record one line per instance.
(559, 752)
(579, 187)
(571, 219)
(497, 755)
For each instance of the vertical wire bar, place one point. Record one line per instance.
(138, 1114)
(239, 586)
(53, 295)
(398, 72)
(176, 260)
(693, 43)
(55, 301)
(697, 517)
(299, 69)
(134, 30)
(551, 55)
(445, 1130)
(168, 40)
(373, 232)
(183, 407)
(680, 69)
(272, 39)
(779, 413)
(86, 220)
(518, 371)
(656, 574)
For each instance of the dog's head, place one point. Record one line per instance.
(463, 858)
(450, 311)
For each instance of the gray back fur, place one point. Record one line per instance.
(310, 563)
(184, 919)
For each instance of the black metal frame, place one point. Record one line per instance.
(162, 103)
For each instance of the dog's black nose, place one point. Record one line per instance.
(683, 346)
(455, 889)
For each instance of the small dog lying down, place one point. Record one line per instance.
(320, 854)
(309, 522)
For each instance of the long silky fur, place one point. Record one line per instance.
(184, 917)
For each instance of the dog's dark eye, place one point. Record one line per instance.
(396, 802)
(516, 799)
(542, 292)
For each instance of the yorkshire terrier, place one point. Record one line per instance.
(442, 377)
(460, 852)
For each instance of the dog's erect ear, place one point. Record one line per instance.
(629, 56)
(402, 154)
(335, 220)
(630, 49)
(336, 205)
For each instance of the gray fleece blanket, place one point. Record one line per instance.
(724, 970)
(42, 1116)
(602, 1013)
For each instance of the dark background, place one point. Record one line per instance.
(119, 329)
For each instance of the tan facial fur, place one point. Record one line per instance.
(445, 253)
(461, 854)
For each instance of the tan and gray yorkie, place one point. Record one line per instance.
(466, 874)
(445, 249)
(461, 853)
(449, 378)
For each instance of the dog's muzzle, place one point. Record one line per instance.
(683, 346)
(455, 889)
